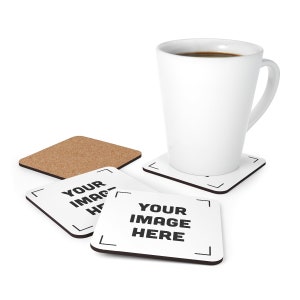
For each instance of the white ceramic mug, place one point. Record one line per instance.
(208, 100)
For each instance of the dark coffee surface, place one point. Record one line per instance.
(208, 54)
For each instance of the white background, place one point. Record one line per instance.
(89, 68)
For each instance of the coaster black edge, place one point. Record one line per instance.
(39, 171)
(66, 230)
(129, 162)
(58, 177)
(194, 261)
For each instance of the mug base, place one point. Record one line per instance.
(219, 184)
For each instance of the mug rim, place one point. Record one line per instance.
(253, 49)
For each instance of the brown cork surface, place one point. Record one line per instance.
(78, 155)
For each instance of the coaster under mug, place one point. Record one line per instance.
(220, 184)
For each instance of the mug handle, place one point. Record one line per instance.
(269, 93)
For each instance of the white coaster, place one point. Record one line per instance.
(75, 203)
(160, 225)
(216, 184)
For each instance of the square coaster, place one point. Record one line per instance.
(75, 203)
(159, 225)
(78, 155)
(216, 184)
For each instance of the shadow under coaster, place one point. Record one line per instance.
(216, 184)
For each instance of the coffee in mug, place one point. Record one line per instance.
(208, 54)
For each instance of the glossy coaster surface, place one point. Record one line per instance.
(216, 184)
(161, 226)
(76, 203)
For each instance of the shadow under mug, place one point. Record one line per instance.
(208, 100)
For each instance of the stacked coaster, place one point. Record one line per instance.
(75, 203)
(90, 166)
(159, 225)
(131, 218)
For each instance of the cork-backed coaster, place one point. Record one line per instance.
(76, 203)
(78, 155)
(216, 184)
(161, 226)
